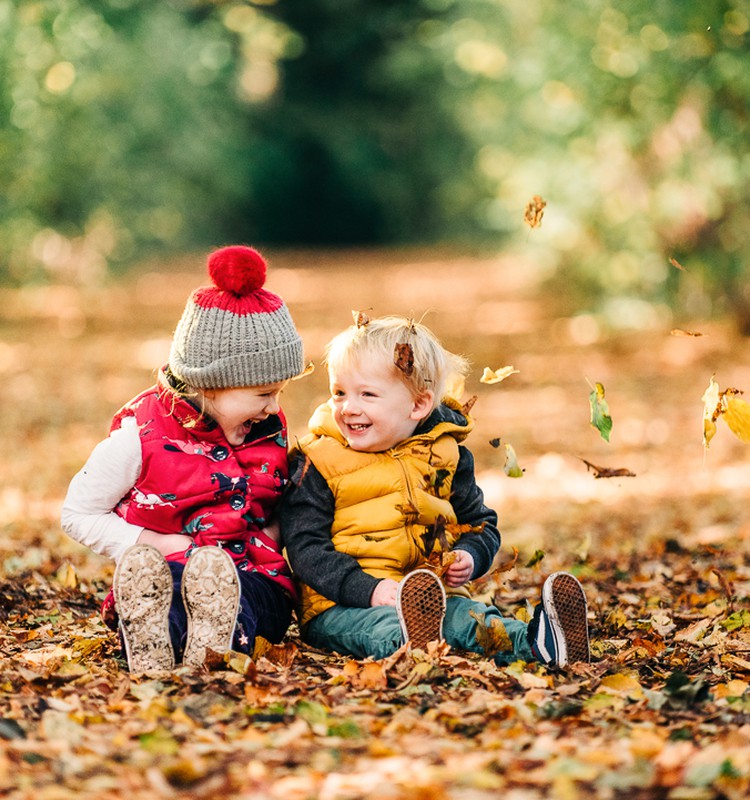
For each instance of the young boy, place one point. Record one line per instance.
(381, 482)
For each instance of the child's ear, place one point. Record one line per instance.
(422, 405)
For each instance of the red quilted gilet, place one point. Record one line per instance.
(194, 482)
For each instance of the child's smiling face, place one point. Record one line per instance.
(373, 408)
(235, 410)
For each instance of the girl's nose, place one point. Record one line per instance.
(272, 406)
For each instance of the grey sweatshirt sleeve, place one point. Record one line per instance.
(468, 503)
(306, 516)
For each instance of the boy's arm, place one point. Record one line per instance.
(306, 516)
(468, 503)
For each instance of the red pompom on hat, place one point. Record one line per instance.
(235, 333)
(237, 269)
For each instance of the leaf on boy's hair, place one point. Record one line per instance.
(537, 558)
(492, 638)
(608, 472)
(360, 319)
(403, 358)
(496, 376)
(600, 417)
(468, 405)
(534, 211)
(512, 470)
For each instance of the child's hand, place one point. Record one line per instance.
(385, 593)
(460, 570)
(166, 543)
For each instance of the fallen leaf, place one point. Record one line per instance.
(535, 559)
(534, 211)
(492, 638)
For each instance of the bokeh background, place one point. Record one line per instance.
(381, 154)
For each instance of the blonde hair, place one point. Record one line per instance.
(411, 349)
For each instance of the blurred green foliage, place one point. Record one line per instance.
(128, 125)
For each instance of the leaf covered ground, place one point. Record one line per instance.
(663, 711)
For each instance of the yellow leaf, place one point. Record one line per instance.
(512, 470)
(66, 576)
(492, 638)
(737, 417)
(496, 376)
(622, 684)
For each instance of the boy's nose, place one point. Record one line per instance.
(272, 406)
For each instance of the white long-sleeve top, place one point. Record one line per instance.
(111, 471)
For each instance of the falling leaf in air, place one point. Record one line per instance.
(680, 332)
(468, 405)
(675, 263)
(737, 414)
(496, 376)
(308, 370)
(512, 470)
(608, 472)
(711, 411)
(360, 319)
(495, 442)
(404, 358)
(534, 211)
(728, 406)
(600, 417)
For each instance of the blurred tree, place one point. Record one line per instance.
(362, 135)
(123, 131)
(128, 124)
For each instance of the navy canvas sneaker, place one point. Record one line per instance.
(559, 632)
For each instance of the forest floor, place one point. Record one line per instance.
(663, 710)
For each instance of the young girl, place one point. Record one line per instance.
(183, 492)
(381, 482)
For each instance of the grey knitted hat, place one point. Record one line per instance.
(235, 333)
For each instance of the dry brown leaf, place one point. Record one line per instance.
(403, 358)
(608, 472)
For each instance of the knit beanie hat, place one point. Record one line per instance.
(235, 333)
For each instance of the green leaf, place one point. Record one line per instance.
(600, 417)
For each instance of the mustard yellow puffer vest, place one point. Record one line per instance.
(385, 502)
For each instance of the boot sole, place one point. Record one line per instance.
(142, 589)
(211, 593)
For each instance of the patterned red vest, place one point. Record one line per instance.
(194, 482)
